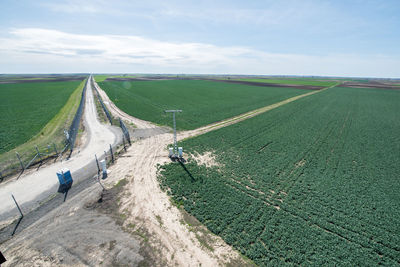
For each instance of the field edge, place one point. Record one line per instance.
(52, 132)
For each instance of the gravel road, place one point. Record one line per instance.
(34, 187)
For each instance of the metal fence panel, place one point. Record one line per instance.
(125, 131)
(108, 114)
(101, 102)
(73, 129)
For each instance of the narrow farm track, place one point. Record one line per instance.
(150, 207)
(342, 229)
(36, 186)
(172, 241)
(245, 116)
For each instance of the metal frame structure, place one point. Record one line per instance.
(173, 111)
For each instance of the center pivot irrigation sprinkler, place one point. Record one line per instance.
(175, 152)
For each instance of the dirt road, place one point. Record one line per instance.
(174, 237)
(147, 205)
(34, 187)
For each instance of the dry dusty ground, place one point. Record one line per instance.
(133, 223)
(371, 84)
(33, 187)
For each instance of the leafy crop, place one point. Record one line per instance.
(314, 182)
(27, 107)
(202, 102)
(311, 82)
(100, 78)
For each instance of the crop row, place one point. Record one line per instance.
(202, 102)
(313, 182)
(27, 107)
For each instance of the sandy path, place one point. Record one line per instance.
(73, 235)
(29, 187)
(145, 205)
(141, 124)
(148, 205)
(242, 117)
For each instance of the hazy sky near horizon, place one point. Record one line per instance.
(304, 37)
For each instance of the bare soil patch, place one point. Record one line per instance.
(305, 87)
(39, 80)
(371, 84)
(76, 235)
(149, 78)
(207, 159)
(132, 220)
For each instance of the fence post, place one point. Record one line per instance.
(112, 154)
(98, 167)
(19, 209)
(125, 131)
(20, 161)
(22, 215)
(37, 150)
(123, 140)
(128, 137)
(55, 149)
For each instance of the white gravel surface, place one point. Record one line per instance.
(30, 187)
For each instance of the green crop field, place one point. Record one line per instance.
(27, 107)
(310, 81)
(314, 182)
(102, 78)
(202, 102)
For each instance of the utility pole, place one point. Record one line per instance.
(173, 118)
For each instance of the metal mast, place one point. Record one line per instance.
(173, 111)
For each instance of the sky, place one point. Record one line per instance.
(358, 38)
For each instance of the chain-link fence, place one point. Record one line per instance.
(73, 129)
(35, 157)
(126, 137)
(108, 114)
(85, 179)
(29, 159)
(125, 131)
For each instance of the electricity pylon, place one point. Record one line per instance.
(173, 111)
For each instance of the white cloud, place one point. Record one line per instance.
(124, 49)
(43, 50)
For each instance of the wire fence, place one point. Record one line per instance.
(36, 156)
(24, 162)
(83, 180)
(125, 131)
(106, 111)
(126, 137)
(33, 158)
(74, 128)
